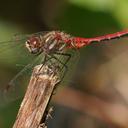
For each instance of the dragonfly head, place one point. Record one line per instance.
(33, 44)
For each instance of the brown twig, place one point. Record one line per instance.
(32, 111)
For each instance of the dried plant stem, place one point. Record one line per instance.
(37, 97)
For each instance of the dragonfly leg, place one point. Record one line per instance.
(63, 66)
(44, 61)
(65, 54)
(50, 57)
(46, 58)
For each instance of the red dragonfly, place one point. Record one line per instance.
(48, 46)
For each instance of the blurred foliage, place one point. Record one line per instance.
(78, 17)
(96, 5)
(116, 8)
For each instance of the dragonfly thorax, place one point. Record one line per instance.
(53, 42)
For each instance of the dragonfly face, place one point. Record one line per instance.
(33, 44)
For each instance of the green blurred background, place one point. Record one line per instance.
(86, 18)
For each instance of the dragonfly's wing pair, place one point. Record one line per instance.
(14, 55)
(17, 85)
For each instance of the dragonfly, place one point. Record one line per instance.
(45, 47)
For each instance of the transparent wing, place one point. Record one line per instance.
(14, 51)
(17, 85)
(16, 64)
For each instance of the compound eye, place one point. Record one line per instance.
(35, 42)
(28, 41)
